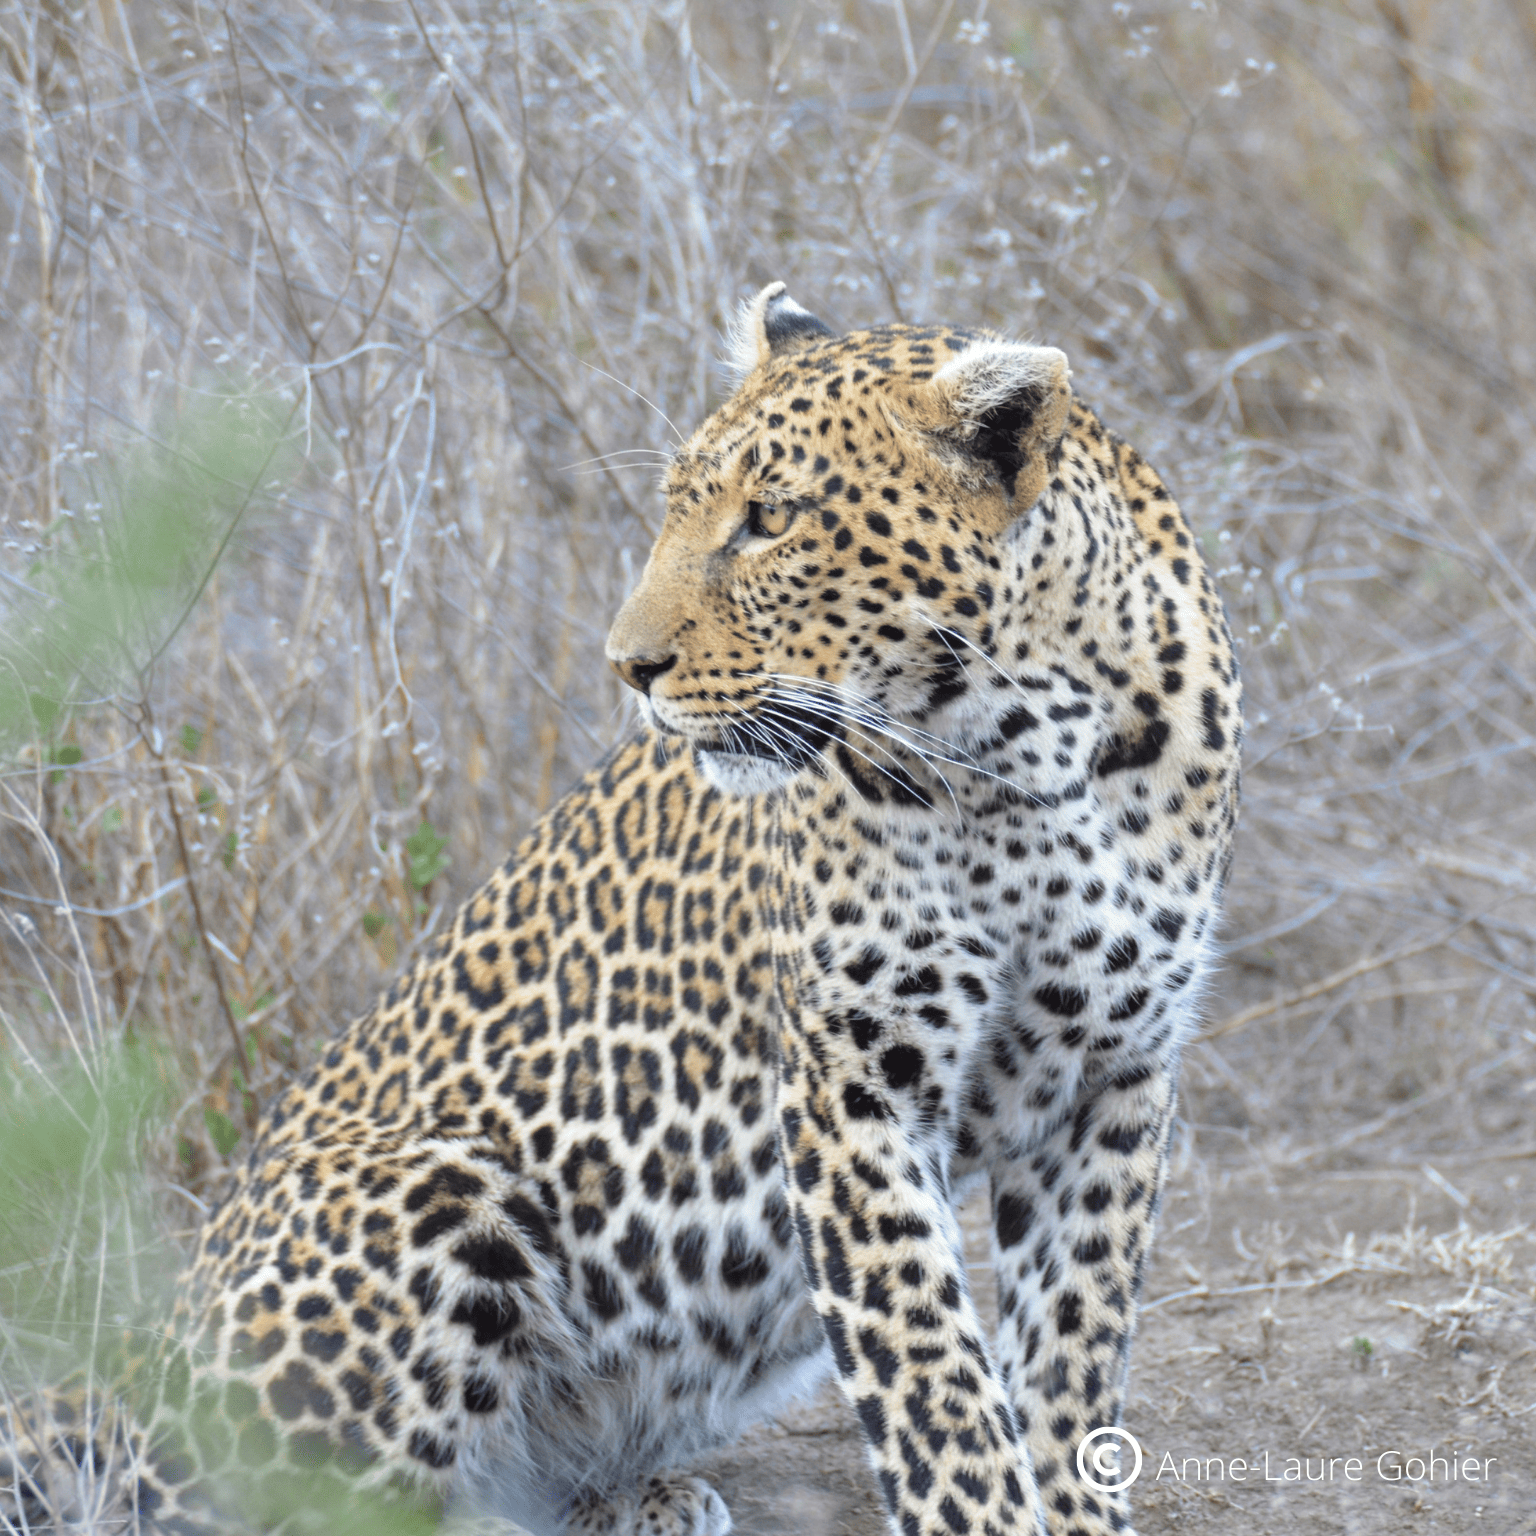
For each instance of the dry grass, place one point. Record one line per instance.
(470, 256)
(1271, 1261)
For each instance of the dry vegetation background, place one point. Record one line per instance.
(466, 256)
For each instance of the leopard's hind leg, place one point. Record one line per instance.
(68, 1459)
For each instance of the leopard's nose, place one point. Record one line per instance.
(641, 671)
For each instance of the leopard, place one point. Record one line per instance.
(907, 881)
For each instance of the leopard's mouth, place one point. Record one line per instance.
(778, 732)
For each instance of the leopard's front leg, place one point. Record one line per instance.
(867, 1112)
(1072, 1223)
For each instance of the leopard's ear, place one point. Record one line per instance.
(1005, 404)
(769, 326)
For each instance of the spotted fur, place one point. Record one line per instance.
(912, 875)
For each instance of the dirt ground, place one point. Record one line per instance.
(1336, 1315)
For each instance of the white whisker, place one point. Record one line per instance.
(883, 725)
(953, 634)
(869, 707)
(834, 765)
(658, 456)
(611, 469)
(948, 788)
(637, 394)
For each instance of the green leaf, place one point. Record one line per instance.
(45, 711)
(243, 1011)
(231, 848)
(424, 848)
(66, 755)
(112, 819)
(375, 922)
(191, 739)
(222, 1129)
(207, 796)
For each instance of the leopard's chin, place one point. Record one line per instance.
(742, 774)
(726, 768)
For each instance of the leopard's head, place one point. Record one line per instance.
(831, 555)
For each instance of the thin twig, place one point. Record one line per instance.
(1251, 1015)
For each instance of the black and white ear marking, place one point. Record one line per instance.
(769, 326)
(1007, 403)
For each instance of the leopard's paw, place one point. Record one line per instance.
(663, 1506)
(681, 1506)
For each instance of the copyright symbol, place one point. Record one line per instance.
(1098, 1458)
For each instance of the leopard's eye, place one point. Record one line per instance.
(768, 521)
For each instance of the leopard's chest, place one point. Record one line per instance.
(1030, 913)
